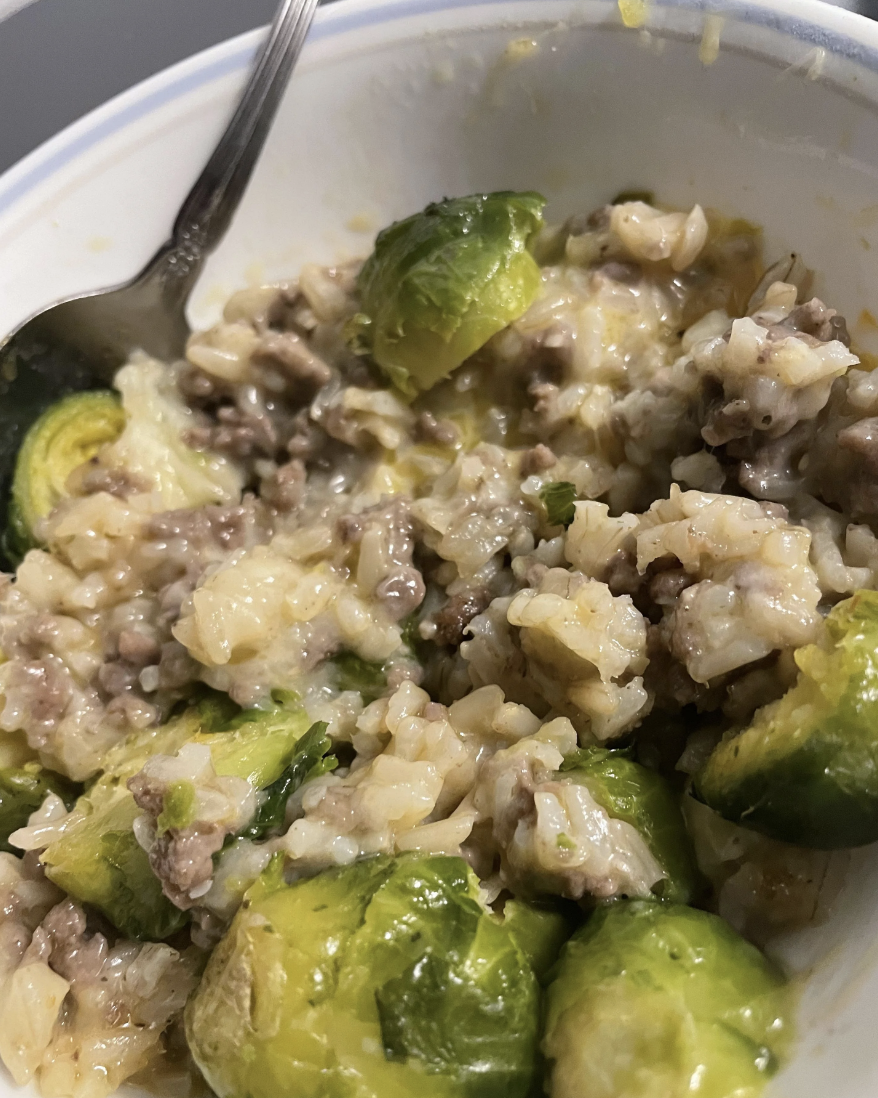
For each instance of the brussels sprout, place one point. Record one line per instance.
(22, 791)
(642, 798)
(65, 436)
(439, 284)
(657, 1000)
(381, 979)
(806, 770)
(539, 931)
(98, 860)
(311, 759)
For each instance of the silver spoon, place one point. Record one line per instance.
(79, 343)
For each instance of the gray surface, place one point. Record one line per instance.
(61, 58)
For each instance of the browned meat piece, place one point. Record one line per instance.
(537, 460)
(862, 439)
(176, 667)
(117, 677)
(239, 434)
(149, 795)
(91, 478)
(622, 576)
(226, 527)
(46, 685)
(63, 942)
(401, 592)
(666, 586)
(454, 617)
(198, 388)
(402, 589)
(305, 371)
(430, 429)
(183, 860)
(816, 320)
(138, 648)
(283, 490)
(306, 439)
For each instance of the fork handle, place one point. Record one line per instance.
(209, 207)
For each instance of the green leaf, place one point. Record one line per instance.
(558, 499)
(312, 759)
(353, 673)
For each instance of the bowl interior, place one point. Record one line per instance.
(769, 112)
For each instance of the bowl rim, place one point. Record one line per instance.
(812, 22)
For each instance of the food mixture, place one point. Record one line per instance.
(448, 678)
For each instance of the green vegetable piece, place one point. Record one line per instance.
(97, 859)
(216, 709)
(653, 1000)
(65, 436)
(558, 499)
(642, 798)
(178, 810)
(806, 770)
(311, 760)
(22, 791)
(439, 284)
(385, 978)
(353, 673)
(539, 931)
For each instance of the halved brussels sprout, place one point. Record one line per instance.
(382, 979)
(97, 858)
(439, 284)
(659, 1000)
(806, 770)
(22, 791)
(65, 436)
(642, 798)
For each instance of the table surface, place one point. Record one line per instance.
(61, 58)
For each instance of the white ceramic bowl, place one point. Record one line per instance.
(397, 102)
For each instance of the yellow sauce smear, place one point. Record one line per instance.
(633, 12)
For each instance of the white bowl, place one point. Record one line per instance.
(397, 102)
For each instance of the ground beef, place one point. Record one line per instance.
(283, 489)
(92, 477)
(402, 589)
(138, 648)
(452, 620)
(537, 460)
(430, 429)
(45, 684)
(304, 371)
(62, 941)
(118, 677)
(183, 860)
(622, 576)
(862, 439)
(227, 528)
(238, 434)
(813, 318)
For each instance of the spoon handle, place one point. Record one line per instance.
(209, 207)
